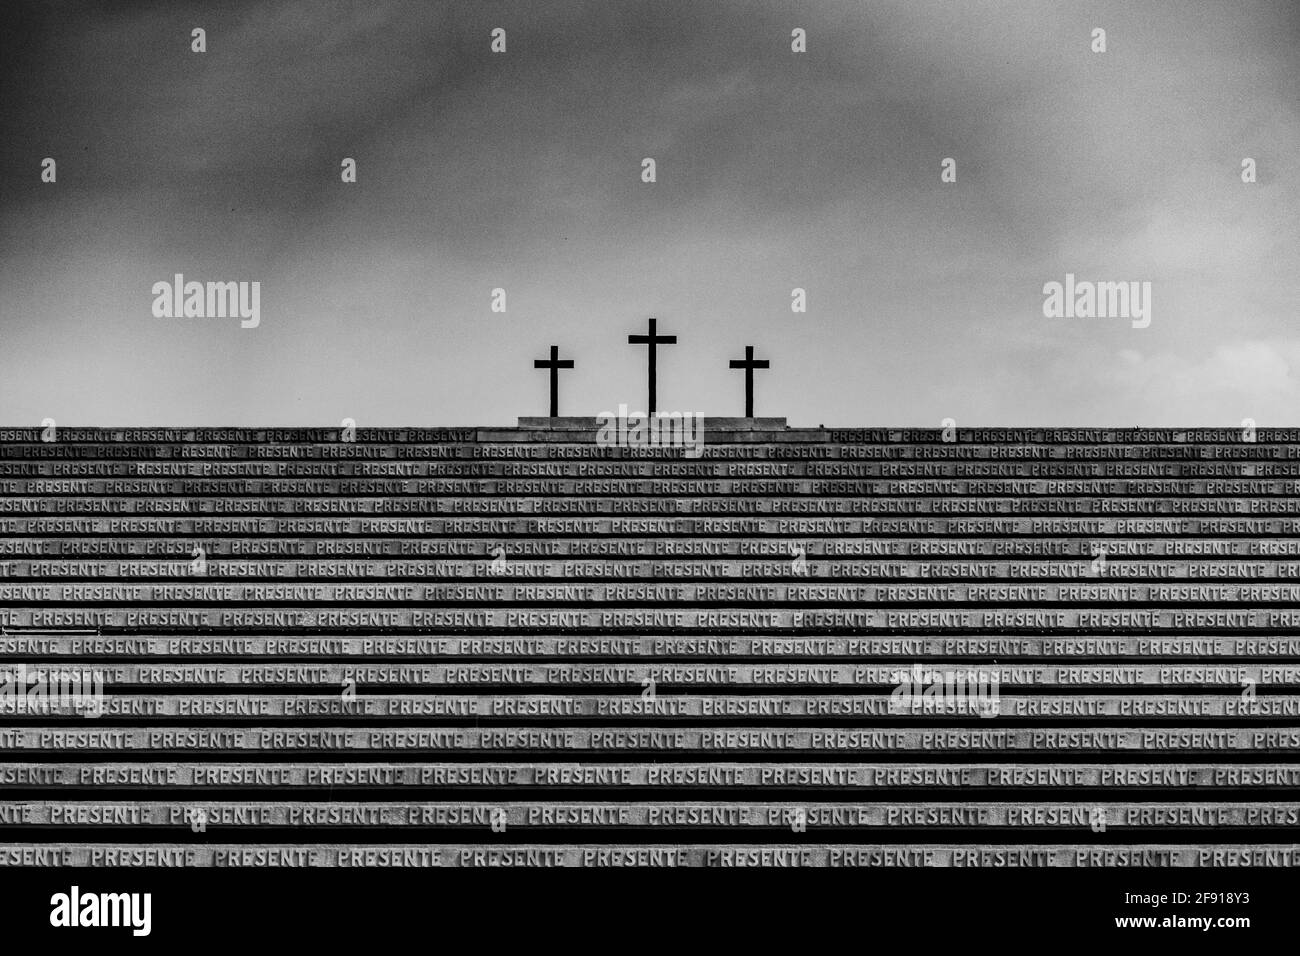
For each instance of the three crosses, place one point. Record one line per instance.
(653, 339)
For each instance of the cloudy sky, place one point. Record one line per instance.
(775, 170)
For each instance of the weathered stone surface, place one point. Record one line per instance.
(562, 814)
(477, 631)
(685, 854)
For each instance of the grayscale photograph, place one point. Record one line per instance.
(481, 462)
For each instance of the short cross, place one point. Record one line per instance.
(555, 363)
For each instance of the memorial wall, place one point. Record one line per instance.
(526, 647)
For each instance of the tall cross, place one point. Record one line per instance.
(651, 339)
(555, 363)
(749, 364)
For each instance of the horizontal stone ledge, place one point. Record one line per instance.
(527, 425)
(664, 569)
(803, 854)
(117, 476)
(648, 495)
(661, 740)
(486, 647)
(663, 506)
(686, 707)
(213, 816)
(165, 434)
(593, 423)
(814, 541)
(696, 448)
(713, 621)
(879, 557)
(672, 436)
(408, 432)
(676, 774)
(635, 675)
(710, 527)
(684, 596)
(443, 493)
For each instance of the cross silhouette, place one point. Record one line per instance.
(651, 339)
(749, 364)
(555, 363)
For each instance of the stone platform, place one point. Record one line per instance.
(517, 645)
